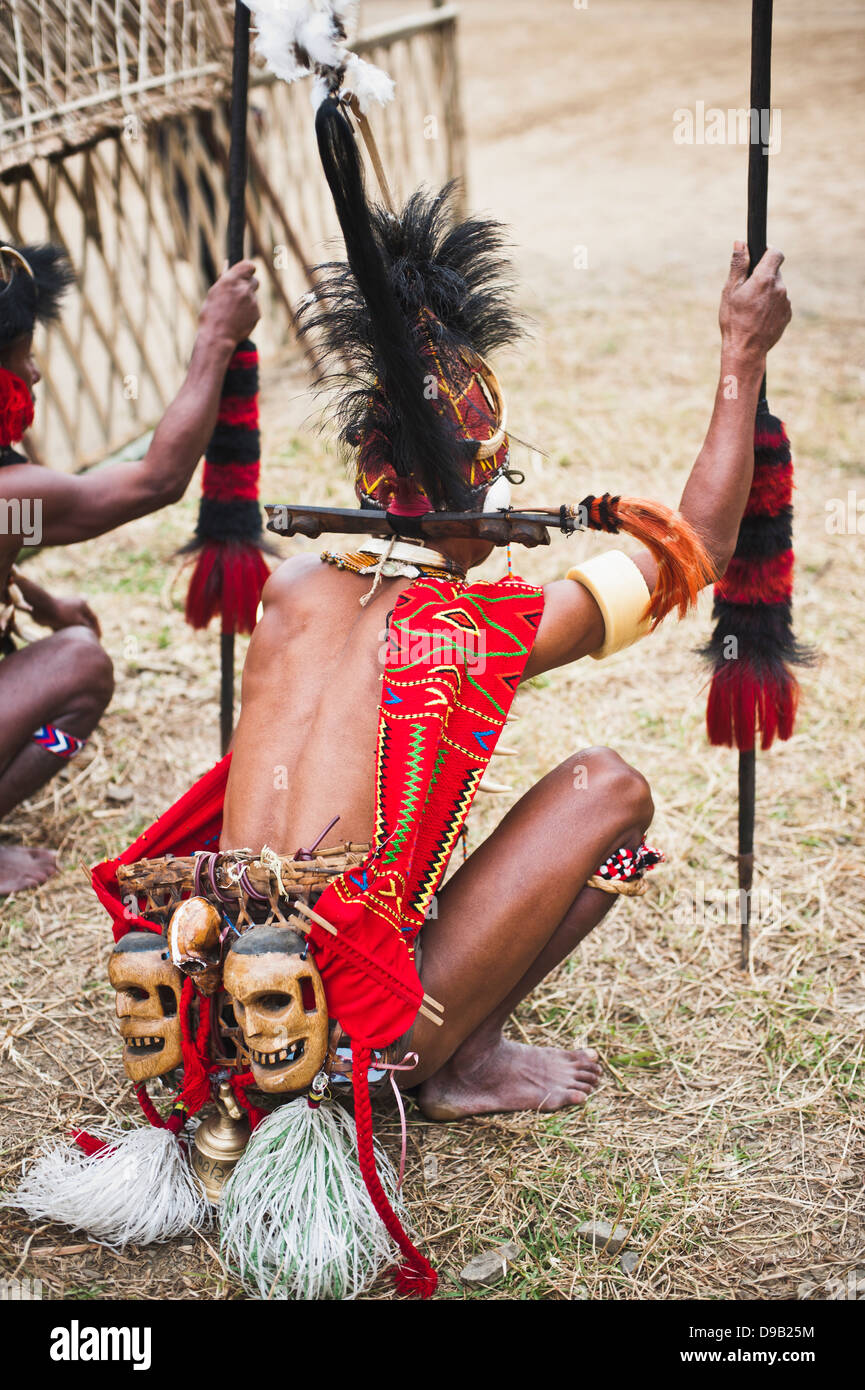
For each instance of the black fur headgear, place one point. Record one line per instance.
(420, 300)
(27, 298)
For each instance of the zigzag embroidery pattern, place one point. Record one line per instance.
(412, 789)
(455, 819)
(381, 764)
(467, 736)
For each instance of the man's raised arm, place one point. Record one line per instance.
(754, 313)
(76, 508)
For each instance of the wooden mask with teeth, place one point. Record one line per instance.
(280, 1005)
(148, 1002)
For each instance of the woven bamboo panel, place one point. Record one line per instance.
(113, 363)
(71, 70)
(143, 214)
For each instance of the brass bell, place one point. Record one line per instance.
(219, 1142)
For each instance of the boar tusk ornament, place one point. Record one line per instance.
(194, 942)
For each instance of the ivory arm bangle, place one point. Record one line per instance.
(621, 593)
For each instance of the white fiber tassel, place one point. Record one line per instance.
(139, 1189)
(296, 1218)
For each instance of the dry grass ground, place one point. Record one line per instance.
(728, 1135)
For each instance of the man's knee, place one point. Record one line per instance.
(90, 667)
(605, 774)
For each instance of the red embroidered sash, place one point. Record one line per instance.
(455, 657)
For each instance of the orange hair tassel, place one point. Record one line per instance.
(683, 563)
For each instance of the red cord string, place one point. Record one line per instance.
(196, 1081)
(239, 1085)
(416, 1276)
(148, 1107)
(195, 1091)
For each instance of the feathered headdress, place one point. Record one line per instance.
(420, 300)
(33, 280)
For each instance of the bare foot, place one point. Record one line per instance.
(21, 867)
(510, 1076)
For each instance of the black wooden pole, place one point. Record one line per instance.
(758, 152)
(747, 795)
(758, 195)
(237, 150)
(236, 228)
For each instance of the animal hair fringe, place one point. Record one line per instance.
(137, 1189)
(296, 1219)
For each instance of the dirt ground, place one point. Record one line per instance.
(728, 1136)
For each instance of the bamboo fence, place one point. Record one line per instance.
(114, 142)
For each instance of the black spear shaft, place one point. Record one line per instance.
(236, 229)
(758, 148)
(758, 194)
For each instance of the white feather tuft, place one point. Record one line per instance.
(296, 1219)
(283, 26)
(498, 494)
(346, 10)
(316, 35)
(367, 82)
(138, 1190)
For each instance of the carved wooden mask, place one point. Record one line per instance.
(280, 1005)
(148, 1003)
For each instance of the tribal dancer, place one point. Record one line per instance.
(53, 692)
(283, 962)
(421, 301)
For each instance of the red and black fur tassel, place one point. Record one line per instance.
(230, 570)
(753, 645)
